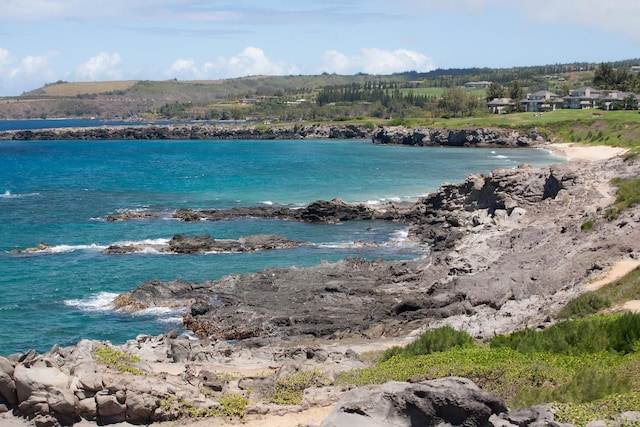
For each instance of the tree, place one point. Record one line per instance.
(516, 93)
(495, 91)
(630, 102)
(603, 77)
(454, 100)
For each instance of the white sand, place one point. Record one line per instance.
(585, 152)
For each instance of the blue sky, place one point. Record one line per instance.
(42, 41)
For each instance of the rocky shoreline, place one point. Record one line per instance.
(507, 251)
(399, 135)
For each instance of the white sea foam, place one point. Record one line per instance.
(9, 195)
(144, 242)
(162, 314)
(267, 202)
(71, 248)
(500, 156)
(150, 251)
(399, 237)
(102, 301)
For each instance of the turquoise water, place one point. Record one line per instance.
(60, 192)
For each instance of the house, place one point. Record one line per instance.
(477, 85)
(542, 100)
(582, 98)
(615, 100)
(499, 105)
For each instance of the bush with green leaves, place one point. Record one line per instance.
(613, 333)
(440, 339)
(289, 389)
(587, 225)
(117, 359)
(627, 195)
(584, 305)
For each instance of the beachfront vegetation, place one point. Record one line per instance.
(117, 359)
(289, 389)
(615, 293)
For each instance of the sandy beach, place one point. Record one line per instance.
(573, 151)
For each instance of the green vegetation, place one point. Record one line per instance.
(585, 305)
(628, 192)
(601, 333)
(440, 339)
(436, 95)
(230, 405)
(587, 225)
(587, 368)
(625, 289)
(117, 359)
(289, 389)
(627, 195)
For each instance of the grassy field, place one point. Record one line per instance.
(84, 88)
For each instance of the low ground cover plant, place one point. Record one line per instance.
(587, 368)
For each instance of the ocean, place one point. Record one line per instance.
(60, 192)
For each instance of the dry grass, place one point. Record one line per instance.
(85, 88)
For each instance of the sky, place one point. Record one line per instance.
(44, 41)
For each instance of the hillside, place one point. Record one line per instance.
(325, 97)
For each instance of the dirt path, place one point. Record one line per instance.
(615, 272)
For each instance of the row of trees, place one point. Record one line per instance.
(608, 77)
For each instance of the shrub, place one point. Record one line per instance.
(584, 305)
(431, 341)
(613, 333)
(117, 359)
(580, 415)
(628, 192)
(289, 389)
(587, 225)
(369, 125)
(232, 405)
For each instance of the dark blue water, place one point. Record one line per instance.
(60, 192)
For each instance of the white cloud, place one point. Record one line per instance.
(336, 62)
(250, 62)
(18, 75)
(377, 61)
(617, 16)
(104, 66)
(5, 60)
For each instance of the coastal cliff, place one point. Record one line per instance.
(476, 137)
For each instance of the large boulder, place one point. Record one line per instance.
(38, 377)
(446, 401)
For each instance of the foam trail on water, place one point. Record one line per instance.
(71, 248)
(100, 302)
(9, 195)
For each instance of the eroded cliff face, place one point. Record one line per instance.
(476, 137)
